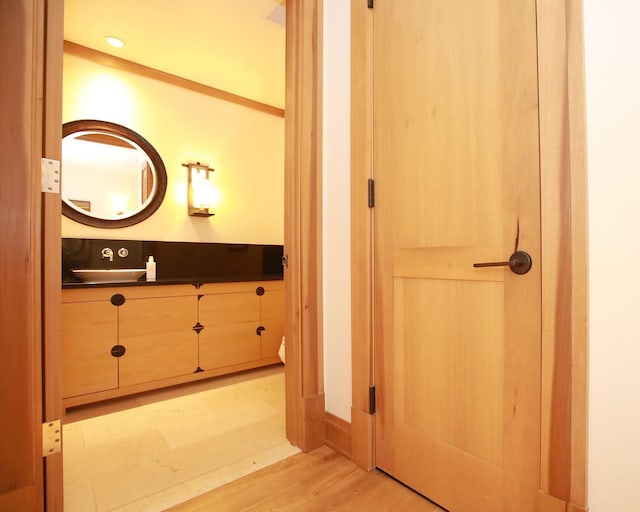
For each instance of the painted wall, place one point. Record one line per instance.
(612, 51)
(244, 146)
(336, 215)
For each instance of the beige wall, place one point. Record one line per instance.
(336, 204)
(612, 44)
(246, 148)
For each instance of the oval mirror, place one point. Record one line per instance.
(112, 177)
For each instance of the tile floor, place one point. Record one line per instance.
(152, 451)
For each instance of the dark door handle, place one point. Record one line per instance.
(519, 263)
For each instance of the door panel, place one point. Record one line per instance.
(159, 339)
(229, 336)
(89, 330)
(457, 182)
(462, 379)
(272, 318)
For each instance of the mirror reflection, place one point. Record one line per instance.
(111, 176)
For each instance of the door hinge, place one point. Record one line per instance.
(371, 193)
(372, 399)
(51, 437)
(50, 175)
(370, 4)
(285, 261)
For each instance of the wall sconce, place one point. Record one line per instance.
(201, 191)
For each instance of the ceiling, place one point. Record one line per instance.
(234, 45)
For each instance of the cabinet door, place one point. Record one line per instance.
(89, 331)
(272, 319)
(158, 337)
(229, 323)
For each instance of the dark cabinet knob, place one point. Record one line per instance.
(118, 350)
(117, 299)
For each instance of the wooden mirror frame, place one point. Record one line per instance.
(137, 139)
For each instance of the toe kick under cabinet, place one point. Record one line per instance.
(122, 340)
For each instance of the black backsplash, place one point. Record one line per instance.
(176, 261)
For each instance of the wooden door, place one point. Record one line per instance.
(21, 463)
(456, 183)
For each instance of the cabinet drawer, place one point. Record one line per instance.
(228, 308)
(230, 344)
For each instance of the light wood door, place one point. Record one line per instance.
(229, 323)
(158, 337)
(21, 137)
(89, 331)
(457, 182)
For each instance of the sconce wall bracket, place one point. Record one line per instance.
(200, 199)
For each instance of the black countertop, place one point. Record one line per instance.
(176, 262)
(195, 282)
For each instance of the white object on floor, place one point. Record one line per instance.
(281, 350)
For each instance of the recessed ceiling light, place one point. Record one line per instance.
(114, 41)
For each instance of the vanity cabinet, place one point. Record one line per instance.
(238, 324)
(272, 319)
(158, 337)
(230, 333)
(122, 340)
(90, 329)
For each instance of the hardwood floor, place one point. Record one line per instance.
(319, 480)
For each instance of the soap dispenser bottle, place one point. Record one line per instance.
(151, 269)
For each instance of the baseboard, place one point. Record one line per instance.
(362, 439)
(548, 503)
(338, 434)
(313, 427)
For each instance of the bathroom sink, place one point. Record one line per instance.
(112, 275)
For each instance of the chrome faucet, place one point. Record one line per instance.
(107, 253)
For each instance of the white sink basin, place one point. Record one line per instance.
(112, 275)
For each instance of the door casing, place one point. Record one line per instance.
(303, 278)
(564, 249)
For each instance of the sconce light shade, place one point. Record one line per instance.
(201, 190)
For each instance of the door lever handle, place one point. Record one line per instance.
(519, 263)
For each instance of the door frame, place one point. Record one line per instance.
(305, 414)
(51, 251)
(564, 250)
(305, 402)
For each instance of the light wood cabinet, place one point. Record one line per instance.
(158, 337)
(240, 323)
(230, 324)
(123, 340)
(272, 318)
(90, 330)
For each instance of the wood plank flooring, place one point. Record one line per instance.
(315, 481)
